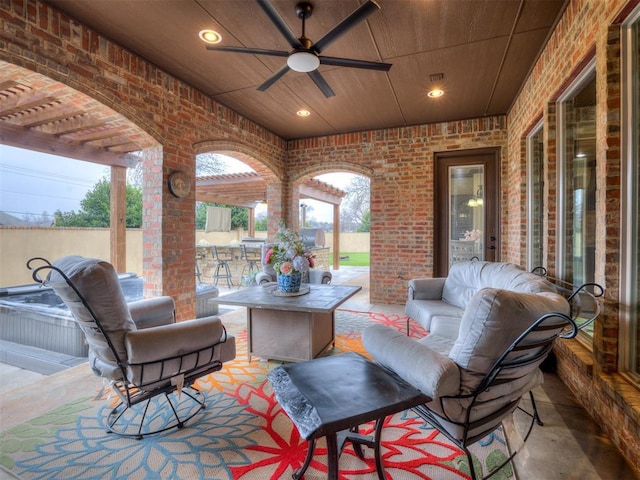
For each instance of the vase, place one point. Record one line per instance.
(289, 283)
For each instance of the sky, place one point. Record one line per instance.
(32, 183)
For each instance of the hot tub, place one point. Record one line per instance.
(34, 316)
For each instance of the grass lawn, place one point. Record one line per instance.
(359, 259)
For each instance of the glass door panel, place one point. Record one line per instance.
(467, 213)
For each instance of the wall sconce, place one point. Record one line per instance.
(478, 200)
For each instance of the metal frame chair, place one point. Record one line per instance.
(525, 354)
(222, 257)
(143, 355)
(251, 258)
(583, 305)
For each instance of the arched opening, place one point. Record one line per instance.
(40, 114)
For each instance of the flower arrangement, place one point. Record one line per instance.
(289, 255)
(472, 235)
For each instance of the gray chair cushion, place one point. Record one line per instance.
(98, 283)
(157, 344)
(492, 321)
(423, 367)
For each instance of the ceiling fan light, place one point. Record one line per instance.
(303, 62)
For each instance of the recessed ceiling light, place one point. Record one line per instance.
(303, 113)
(435, 93)
(210, 36)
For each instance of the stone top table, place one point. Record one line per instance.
(290, 328)
(330, 396)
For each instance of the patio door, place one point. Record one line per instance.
(466, 207)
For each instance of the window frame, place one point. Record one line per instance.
(582, 79)
(630, 195)
(537, 129)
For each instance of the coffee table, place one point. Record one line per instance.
(330, 396)
(290, 328)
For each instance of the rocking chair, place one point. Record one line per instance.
(138, 347)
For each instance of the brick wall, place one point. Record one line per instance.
(400, 164)
(587, 30)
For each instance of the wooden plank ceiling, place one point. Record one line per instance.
(483, 49)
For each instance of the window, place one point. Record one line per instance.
(535, 199)
(630, 291)
(577, 185)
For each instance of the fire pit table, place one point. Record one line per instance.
(290, 328)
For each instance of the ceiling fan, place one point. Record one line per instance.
(305, 55)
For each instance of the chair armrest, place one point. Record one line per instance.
(320, 276)
(432, 373)
(263, 277)
(426, 288)
(158, 353)
(153, 312)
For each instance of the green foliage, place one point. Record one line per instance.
(358, 259)
(261, 224)
(95, 208)
(239, 215)
(365, 224)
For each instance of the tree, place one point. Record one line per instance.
(261, 223)
(95, 208)
(365, 225)
(206, 164)
(355, 204)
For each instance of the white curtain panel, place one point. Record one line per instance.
(218, 219)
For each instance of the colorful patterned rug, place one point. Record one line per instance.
(242, 435)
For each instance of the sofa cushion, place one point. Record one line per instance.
(422, 311)
(466, 278)
(446, 326)
(492, 321)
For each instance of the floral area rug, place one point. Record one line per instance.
(243, 434)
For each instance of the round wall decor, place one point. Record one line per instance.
(179, 184)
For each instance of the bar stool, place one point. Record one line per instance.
(251, 259)
(222, 256)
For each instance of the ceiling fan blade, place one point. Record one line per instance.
(353, 63)
(280, 24)
(321, 83)
(254, 51)
(359, 14)
(274, 78)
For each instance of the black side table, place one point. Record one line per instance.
(330, 396)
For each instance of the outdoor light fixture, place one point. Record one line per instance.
(303, 113)
(303, 62)
(210, 36)
(478, 200)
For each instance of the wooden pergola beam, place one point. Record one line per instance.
(21, 137)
